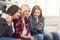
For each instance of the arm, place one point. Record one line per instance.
(32, 26)
(19, 31)
(42, 29)
(4, 30)
(24, 36)
(9, 30)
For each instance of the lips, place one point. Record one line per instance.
(36, 16)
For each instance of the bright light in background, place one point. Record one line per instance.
(49, 7)
(31, 3)
(52, 8)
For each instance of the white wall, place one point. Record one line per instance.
(52, 8)
(49, 7)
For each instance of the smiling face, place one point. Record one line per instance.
(25, 10)
(36, 13)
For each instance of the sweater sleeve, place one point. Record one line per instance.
(9, 30)
(42, 28)
(32, 26)
(5, 30)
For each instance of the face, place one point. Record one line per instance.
(17, 14)
(26, 12)
(37, 13)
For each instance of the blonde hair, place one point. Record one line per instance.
(24, 7)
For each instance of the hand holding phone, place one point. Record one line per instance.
(39, 26)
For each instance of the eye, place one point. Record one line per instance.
(26, 11)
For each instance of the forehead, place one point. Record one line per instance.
(37, 10)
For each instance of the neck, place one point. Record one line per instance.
(37, 19)
(23, 18)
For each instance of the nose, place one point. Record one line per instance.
(19, 13)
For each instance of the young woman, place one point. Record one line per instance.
(36, 21)
(5, 29)
(22, 26)
(13, 13)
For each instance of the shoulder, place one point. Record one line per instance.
(3, 19)
(42, 19)
(3, 22)
(30, 18)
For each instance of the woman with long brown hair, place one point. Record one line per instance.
(36, 21)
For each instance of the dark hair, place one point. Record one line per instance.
(12, 10)
(0, 15)
(34, 8)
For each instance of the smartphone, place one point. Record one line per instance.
(41, 24)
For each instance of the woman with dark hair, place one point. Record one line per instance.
(5, 29)
(36, 21)
(13, 13)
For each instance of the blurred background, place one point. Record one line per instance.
(50, 10)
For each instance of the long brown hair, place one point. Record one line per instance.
(12, 10)
(34, 8)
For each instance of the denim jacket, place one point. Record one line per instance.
(33, 25)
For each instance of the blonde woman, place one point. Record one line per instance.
(22, 26)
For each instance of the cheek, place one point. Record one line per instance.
(16, 15)
(26, 13)
(35, 14)
(38, 14)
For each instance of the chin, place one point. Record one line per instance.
(17, 17)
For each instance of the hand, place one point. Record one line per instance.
(38, 27)
(31, 38)
(9, 19)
